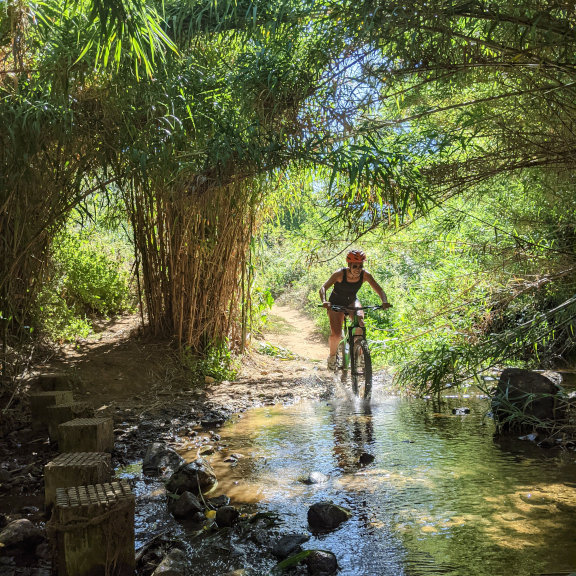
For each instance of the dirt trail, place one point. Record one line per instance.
(120, 366)
(291, 329)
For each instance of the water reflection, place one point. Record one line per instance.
(440, 497)
(353, 431)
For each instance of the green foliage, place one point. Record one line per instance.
(59, 321)
(276, 351)
(461, 281)
(261, 301)
(291, 561)
(281, 267)
(89, 278)
(217, 362)
(435, 366)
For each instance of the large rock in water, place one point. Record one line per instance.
(185, 505)
(327, 516)
(526, 392)
(321, 563)
(161, 460)
(173, 564)
(196, 477)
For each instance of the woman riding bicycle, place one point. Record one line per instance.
(347, 282)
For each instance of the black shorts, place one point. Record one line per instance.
(339, 302)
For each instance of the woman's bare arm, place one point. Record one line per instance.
(376, 287)
(336, 277)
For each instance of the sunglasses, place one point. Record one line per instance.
(352, 266)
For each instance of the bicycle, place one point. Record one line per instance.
(354, 351)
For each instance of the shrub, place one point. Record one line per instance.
(89, 277)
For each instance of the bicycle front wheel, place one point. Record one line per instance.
(341, 356)
(361, 370)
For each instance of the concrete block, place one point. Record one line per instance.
(60, 413)
(39, 401)
(75, 469)
(92, 530)
(86, 435)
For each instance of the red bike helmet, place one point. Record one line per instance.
(355, 256)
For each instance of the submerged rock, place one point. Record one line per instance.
(184, 505)
(161, 459)
(288, 545)
(321, 563)
(366, 458)
(314, 478)
(460, 411)
(226, 516)
(327, 515)
(218, 501)
(536, 499)
(173, 564)
(21, 534)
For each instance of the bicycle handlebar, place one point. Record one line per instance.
(338, 308)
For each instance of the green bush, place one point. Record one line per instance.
(89, 277)
(217, 362)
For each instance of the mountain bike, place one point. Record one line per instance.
(354, 352)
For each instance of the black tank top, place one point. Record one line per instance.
(344, 293)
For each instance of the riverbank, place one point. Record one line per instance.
(142, 385)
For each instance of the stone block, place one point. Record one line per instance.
(60, 413)
(75, 469)
(92, 530)
(39, 401)
(86, 435)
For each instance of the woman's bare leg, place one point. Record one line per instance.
(336, 322)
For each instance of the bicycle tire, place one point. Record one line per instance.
(361, 369)
(340, 355)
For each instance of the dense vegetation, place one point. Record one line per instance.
(471, 286)
(440, 136)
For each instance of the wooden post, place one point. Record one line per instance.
(60, 413)
(92, 528)
(86, 435)
(39, 401)
(75, 469)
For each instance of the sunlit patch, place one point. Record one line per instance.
(129, 471)
(437, 489)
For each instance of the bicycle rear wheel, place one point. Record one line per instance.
(361, 369)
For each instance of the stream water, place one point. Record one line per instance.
(442, 496)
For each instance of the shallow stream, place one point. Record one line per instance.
(442, 496)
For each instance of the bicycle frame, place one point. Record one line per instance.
(354, 351)
(350, 329)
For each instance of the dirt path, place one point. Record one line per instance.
(118, 366)
(291, 329)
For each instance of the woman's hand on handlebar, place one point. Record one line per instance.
(386, 305)
(327, 305)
